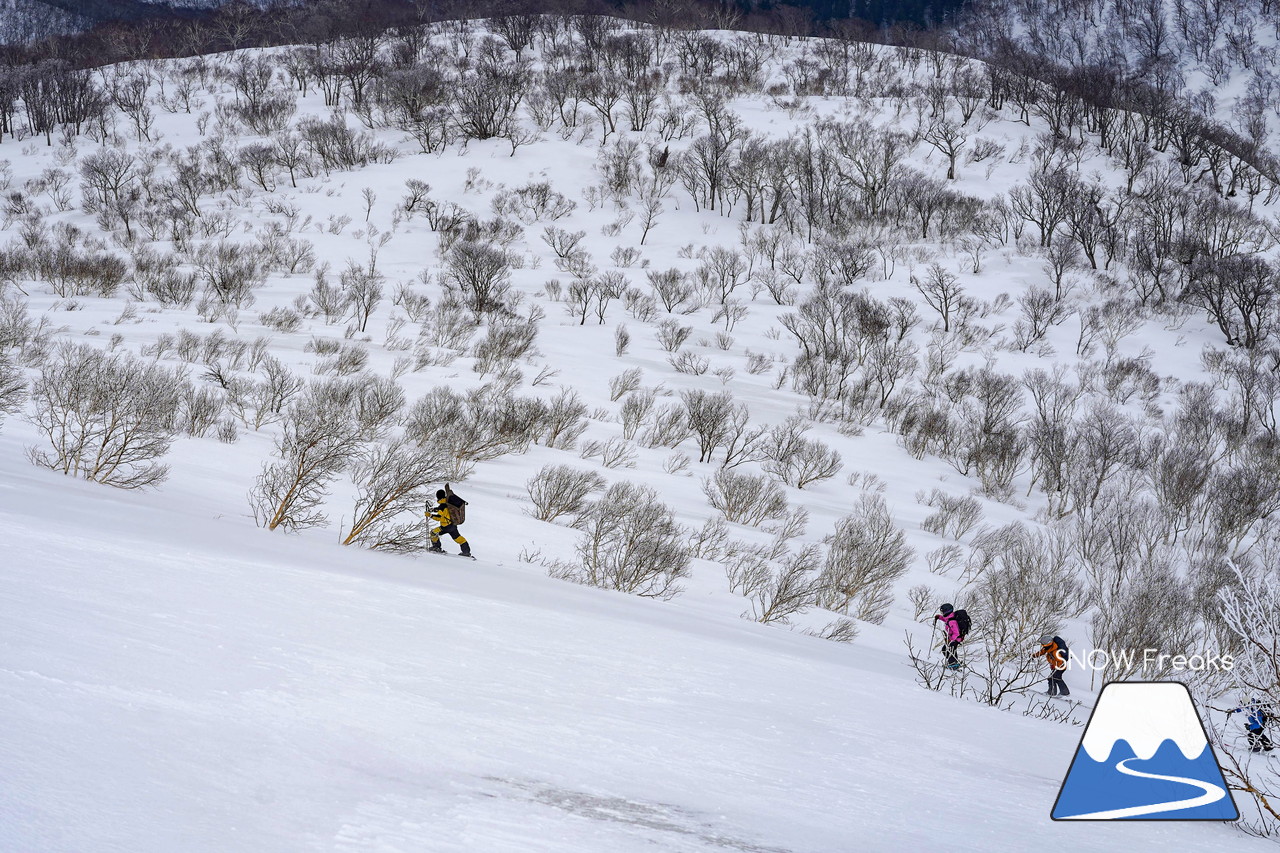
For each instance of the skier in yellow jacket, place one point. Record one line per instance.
(442, 518)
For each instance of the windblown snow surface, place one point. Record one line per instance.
(171, 681)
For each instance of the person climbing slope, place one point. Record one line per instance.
(446, 515)
(955, 624)
(1255, 725)
(1054, 650)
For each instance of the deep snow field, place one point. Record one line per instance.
(177, 679)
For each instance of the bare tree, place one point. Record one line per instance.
(319, 441)
(941, 291)
(866, 554)
(558, 490)
(393, 479)
(745, 498)
(108, 418)
(796, 460)
(631, 543)
(481, 272)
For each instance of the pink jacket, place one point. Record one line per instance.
(952, 627)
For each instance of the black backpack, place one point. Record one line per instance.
(1063, 652)
(963, 622)
(457, 506)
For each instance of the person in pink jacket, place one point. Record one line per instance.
(951, 628)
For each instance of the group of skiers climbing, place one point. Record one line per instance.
(956, 625)
(450, 511)
(1053, 649)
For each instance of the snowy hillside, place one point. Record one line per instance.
(804, 337)
(173, 681)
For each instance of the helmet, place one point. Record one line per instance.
(1046, 639)
(946, 609)
(440, 494)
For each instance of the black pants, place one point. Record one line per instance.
(1258, 740)
(949, 653)
(449, 530)
(1058, 687)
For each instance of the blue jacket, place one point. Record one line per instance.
(1255, 721)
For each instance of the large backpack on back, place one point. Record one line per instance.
(963, 622)
(457, 506)
(1063, 652)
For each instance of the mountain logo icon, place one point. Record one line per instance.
(1144, 756)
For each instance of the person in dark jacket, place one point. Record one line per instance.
(1255, 725)
(952, 639)
(1053, 653)
(442, 519)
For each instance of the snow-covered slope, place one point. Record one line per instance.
(170, 681)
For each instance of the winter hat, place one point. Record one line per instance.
(440, 494)
(946, 609)
(1046, 639)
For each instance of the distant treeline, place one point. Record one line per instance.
(132, 29)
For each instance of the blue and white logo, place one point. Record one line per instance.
(1144, 756)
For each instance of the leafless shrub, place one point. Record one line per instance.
(227, 432)
(393, 480)
(482, 426)
(559, 490)
(351, 359)
(534, 202)
(1041, 311)
(481, 272)
(624, 383)
(449, 325)
(108, 418)
(796, 460)
(955, 516)
(74, 271)
(942, 561)
(634, 410)
(323, 346)
(564, 243)
(792, 590)
(672, 289)
(13, 386)
(838, 631)
(941, 291)
(866, 554)
(1028, 589)
(614, 453)
(318, 442)
(564, 420)
(229, 272)
(668, 427)
(329, 300)
(745, 498)
(691, 363)
(201, 410)
(258, 403)
(281, 319)
(158, 275)
(923, 600)
(631, 543)
(709, 419)
(621, 340)
(747, 569)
